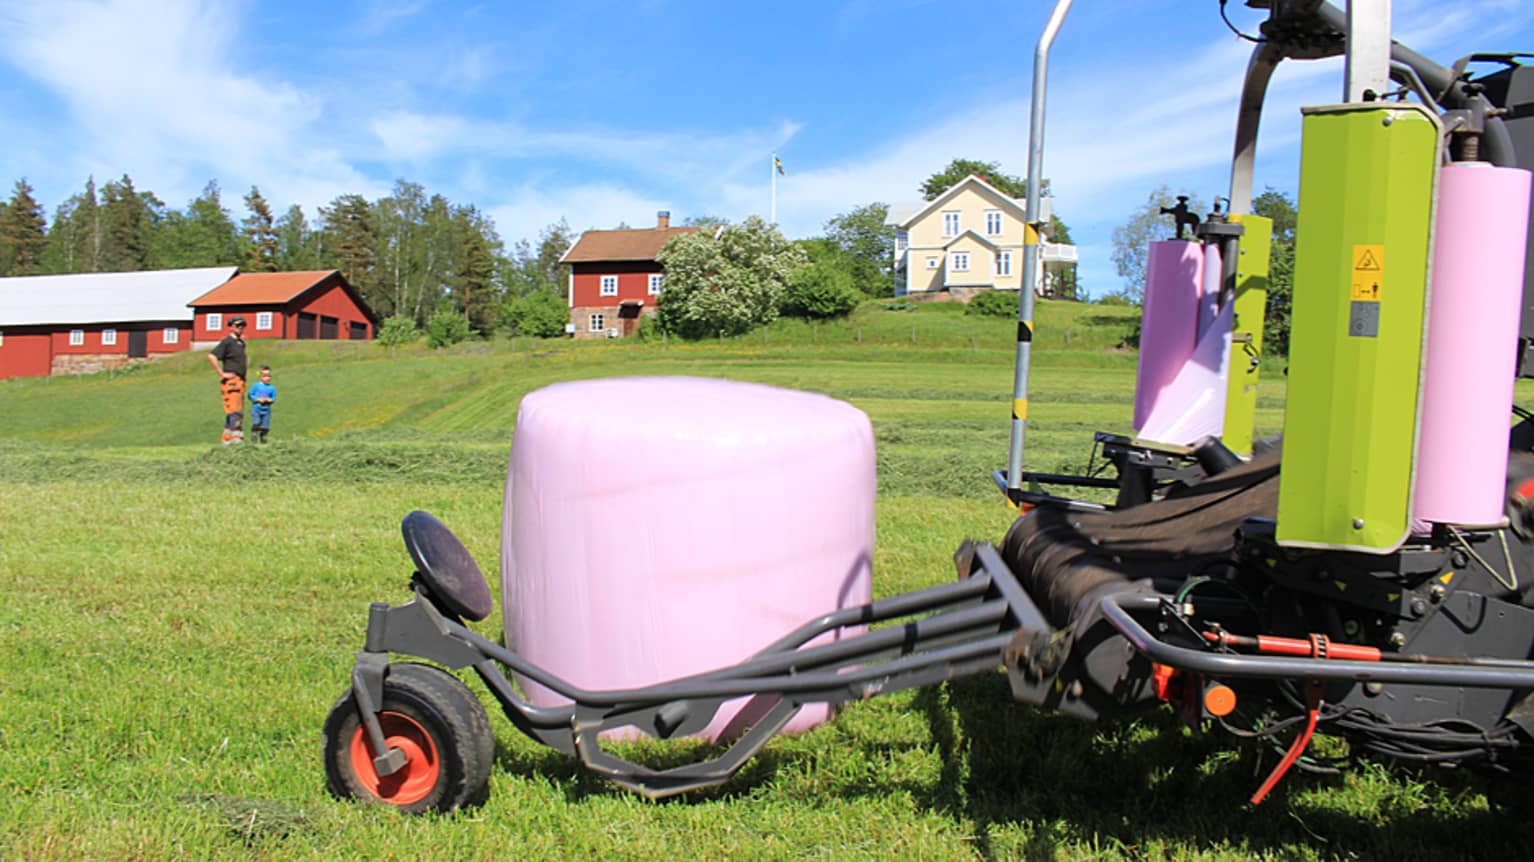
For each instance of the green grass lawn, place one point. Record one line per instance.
(178, 617)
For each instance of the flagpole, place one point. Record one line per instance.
(772, 168)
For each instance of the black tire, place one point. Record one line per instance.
(440, 725)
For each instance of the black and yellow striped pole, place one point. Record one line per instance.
(1030, 251)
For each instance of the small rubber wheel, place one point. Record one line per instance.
(438, 724)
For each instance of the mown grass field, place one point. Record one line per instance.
(178, 618)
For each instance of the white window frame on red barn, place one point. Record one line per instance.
(609, 285)
(263, 320)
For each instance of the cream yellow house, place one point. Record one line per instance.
(969, 239)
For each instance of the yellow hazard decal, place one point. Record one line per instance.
(1030, 235)
(1020, 408)
(1368, 271)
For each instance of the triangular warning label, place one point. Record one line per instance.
(1367, 262)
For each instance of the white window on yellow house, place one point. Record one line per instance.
(959, 261)
(1003, 263)
(951, 225)
(931, 261)
(993, 222)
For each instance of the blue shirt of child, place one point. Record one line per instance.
(261, 410)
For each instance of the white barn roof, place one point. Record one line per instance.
(106, 297)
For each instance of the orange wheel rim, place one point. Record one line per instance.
(422, 767)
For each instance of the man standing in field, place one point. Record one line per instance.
(228, 360)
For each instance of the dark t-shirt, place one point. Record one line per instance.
(231, 352)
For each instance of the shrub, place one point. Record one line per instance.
(993, 303)
(397, 330)
(541, 314)
(820, 290)
(446, 327)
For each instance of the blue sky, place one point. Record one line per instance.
(605, 112)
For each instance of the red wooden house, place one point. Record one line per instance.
(615, 278)
(82, 323)
(308, 304)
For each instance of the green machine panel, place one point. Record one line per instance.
(1367, 175)
(1251, 300)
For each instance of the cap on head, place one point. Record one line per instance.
(236, 321)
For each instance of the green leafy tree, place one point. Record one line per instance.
(869, 246)
(205, 235)
(74, 244)
(726, 285)
(261, 241)
(991, 172)
(706, 221)
(1132, 239)
(820, 290)
(1281, 209)
(447, 327)
(553, 242)
(397, 330)
(23, 232)
(541, 314)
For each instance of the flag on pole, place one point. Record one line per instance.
(778, 163)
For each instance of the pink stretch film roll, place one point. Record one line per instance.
(1192, 406)
(1169, 321)
(1473, 310)
(1209, 290)
(660, 527)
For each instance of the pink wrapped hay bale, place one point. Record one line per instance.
(656, 527)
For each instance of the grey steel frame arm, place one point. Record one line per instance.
(967, 628)
(1408, 68)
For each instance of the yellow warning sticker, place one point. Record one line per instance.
(1368, 271)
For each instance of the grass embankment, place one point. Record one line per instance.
(178, 617)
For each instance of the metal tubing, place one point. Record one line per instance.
(1030, 249)
(1259, 71)
(736, 682)
(1264, 667)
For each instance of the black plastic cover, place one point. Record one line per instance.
(446, 566)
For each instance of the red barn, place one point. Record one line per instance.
(614, 277)
(308, 304)
(87, 322)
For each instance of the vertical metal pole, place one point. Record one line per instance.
(1367, 67)
(1030, 247)
(772, 171)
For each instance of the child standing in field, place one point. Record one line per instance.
(261, 396)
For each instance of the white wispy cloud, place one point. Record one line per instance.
(150, 89)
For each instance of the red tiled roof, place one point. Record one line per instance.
(605, 245)
(262, 288)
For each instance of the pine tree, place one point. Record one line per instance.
(23, 233)
(474, 249)
(128, 220)
(350, 240)
(261, 244)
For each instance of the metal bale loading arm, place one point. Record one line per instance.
(1255, 593)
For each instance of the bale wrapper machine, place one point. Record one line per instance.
(1367, 577)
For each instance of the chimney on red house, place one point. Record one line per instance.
(663, 220)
